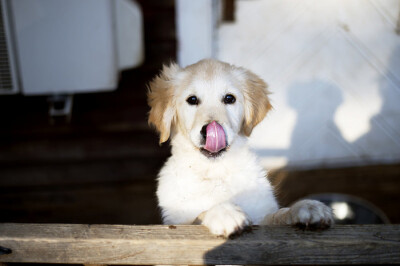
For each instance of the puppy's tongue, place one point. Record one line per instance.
(215, 140)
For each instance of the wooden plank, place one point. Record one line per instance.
(86, 172)
(106, 203)
(45, 149)
(123, 244)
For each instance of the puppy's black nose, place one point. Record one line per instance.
(203, 132)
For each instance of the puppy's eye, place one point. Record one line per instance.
(229, 99)
(192, 100)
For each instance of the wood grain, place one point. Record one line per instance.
(144, 245)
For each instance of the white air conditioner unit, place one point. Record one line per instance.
(59, 47)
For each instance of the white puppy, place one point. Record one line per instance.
(208, 110)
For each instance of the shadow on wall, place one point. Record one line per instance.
(315, 137)
(383, 138)
(317, 141)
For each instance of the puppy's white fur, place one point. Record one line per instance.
(225, 192)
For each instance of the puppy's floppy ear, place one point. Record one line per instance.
(256, 101)
(160, 99)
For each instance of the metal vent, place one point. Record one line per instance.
(5, 68)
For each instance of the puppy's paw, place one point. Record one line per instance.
(224, 219)
(311, 214)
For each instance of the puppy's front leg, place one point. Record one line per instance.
(304, 213)
(224, 219)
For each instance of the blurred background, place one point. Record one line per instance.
(75, 146)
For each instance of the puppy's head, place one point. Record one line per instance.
(210, 103)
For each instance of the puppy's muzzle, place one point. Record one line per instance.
(213, 138)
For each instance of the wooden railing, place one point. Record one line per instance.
(194, 245)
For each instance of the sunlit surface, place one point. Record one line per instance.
(342, 210)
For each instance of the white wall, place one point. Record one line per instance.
(333, 67)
